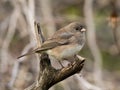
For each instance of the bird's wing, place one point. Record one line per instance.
(51, 44)
(57, 40)
(62, 34)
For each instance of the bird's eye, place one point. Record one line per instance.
(77, 28)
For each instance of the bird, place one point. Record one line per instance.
(64, 43)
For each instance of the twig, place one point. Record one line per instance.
(39, 34)
(29, 45)
(5, 46)
(46, 9)
(85, 84)
(3, 26)
(114, 29)
(113, 19)
(92, 43)
(17, 65)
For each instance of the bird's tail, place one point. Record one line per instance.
(29, 53)
(37, 50)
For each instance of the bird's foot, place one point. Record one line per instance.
(61, 64)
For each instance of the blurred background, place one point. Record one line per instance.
(102, 50)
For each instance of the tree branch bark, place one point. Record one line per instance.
(48, 75)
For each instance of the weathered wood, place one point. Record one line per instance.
(48, 76)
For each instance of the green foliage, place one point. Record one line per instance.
(111, 62)
(72, 12)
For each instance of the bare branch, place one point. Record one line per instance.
(46, 9)
(92, 43)
(39, 34)
(48, 76)
(85, 84)
(5, 46)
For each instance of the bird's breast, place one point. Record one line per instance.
(65, 51)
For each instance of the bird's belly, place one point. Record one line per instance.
(65, 51)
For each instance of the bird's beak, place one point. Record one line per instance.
(83, 30)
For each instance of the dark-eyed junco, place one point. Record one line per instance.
(66, 42)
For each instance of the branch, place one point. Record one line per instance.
(85, 84)
(46, 11)
(114, 23)
(48, 76)
(39, 34)
(92, 42)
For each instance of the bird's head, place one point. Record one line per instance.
(76, 27)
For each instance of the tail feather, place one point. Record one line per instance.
(37, 50)
(29, 53)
